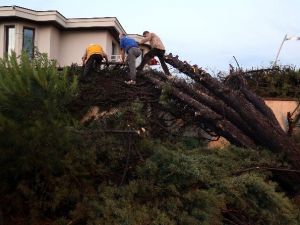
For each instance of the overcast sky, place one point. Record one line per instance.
(204, 32)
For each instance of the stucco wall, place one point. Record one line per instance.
(74, 43)
(2, 40)
(66, 46)
(109, 41)
(42, 38)
(55, 43)
(18, 37)
(280, 109)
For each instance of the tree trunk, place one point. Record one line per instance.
(250, 115)
(221, 125)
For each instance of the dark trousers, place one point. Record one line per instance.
(95, 59)
(149, 55)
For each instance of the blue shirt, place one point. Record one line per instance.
(127, 43)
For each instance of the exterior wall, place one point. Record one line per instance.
(109, 40)
(74, 43)
(2, 40)
(67, 43)
(18, 37)
(66, 46)
(115, 55)
(43, 38)
(280, 109)
(55, 44)
(18, 40)
(48, 41)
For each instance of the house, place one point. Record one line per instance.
(63, 39)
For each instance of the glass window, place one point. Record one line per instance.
(10, 37)
(28, 41)
(113, 48)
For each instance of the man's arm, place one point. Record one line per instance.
(105, 57)
(122, 46)
(84, 58)
(123, 55)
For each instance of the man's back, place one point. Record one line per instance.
(94, 49)
(154, 40)
(127, 43)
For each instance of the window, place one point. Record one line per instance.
(113, 48)
(114, 57)
(28, 41)
(10, 37)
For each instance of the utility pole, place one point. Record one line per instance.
(284, 39)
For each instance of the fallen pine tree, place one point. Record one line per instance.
(227, 109)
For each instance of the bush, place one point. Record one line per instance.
(34, 123)
(55, 171)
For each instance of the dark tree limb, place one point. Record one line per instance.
(249, 107)
(227, 129)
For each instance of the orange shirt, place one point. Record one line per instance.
(93, 49)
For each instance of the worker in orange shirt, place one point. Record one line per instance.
(93, 53)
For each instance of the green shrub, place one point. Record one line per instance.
(34, 122)
(54, 171)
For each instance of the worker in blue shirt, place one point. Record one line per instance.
(130, 47)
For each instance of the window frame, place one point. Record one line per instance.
(6, 38)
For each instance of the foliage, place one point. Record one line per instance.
(281, 82)
(175, 186)
(34, 121)
(55, 171)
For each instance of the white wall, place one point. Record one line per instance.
(42, 39)
(280, 109)
(74, 43)
(109, 40)
(2, 41)
(48, 41)
(55, 45)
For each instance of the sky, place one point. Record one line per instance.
(203, 32)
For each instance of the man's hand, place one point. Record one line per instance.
(124, 60)
(83, 61)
